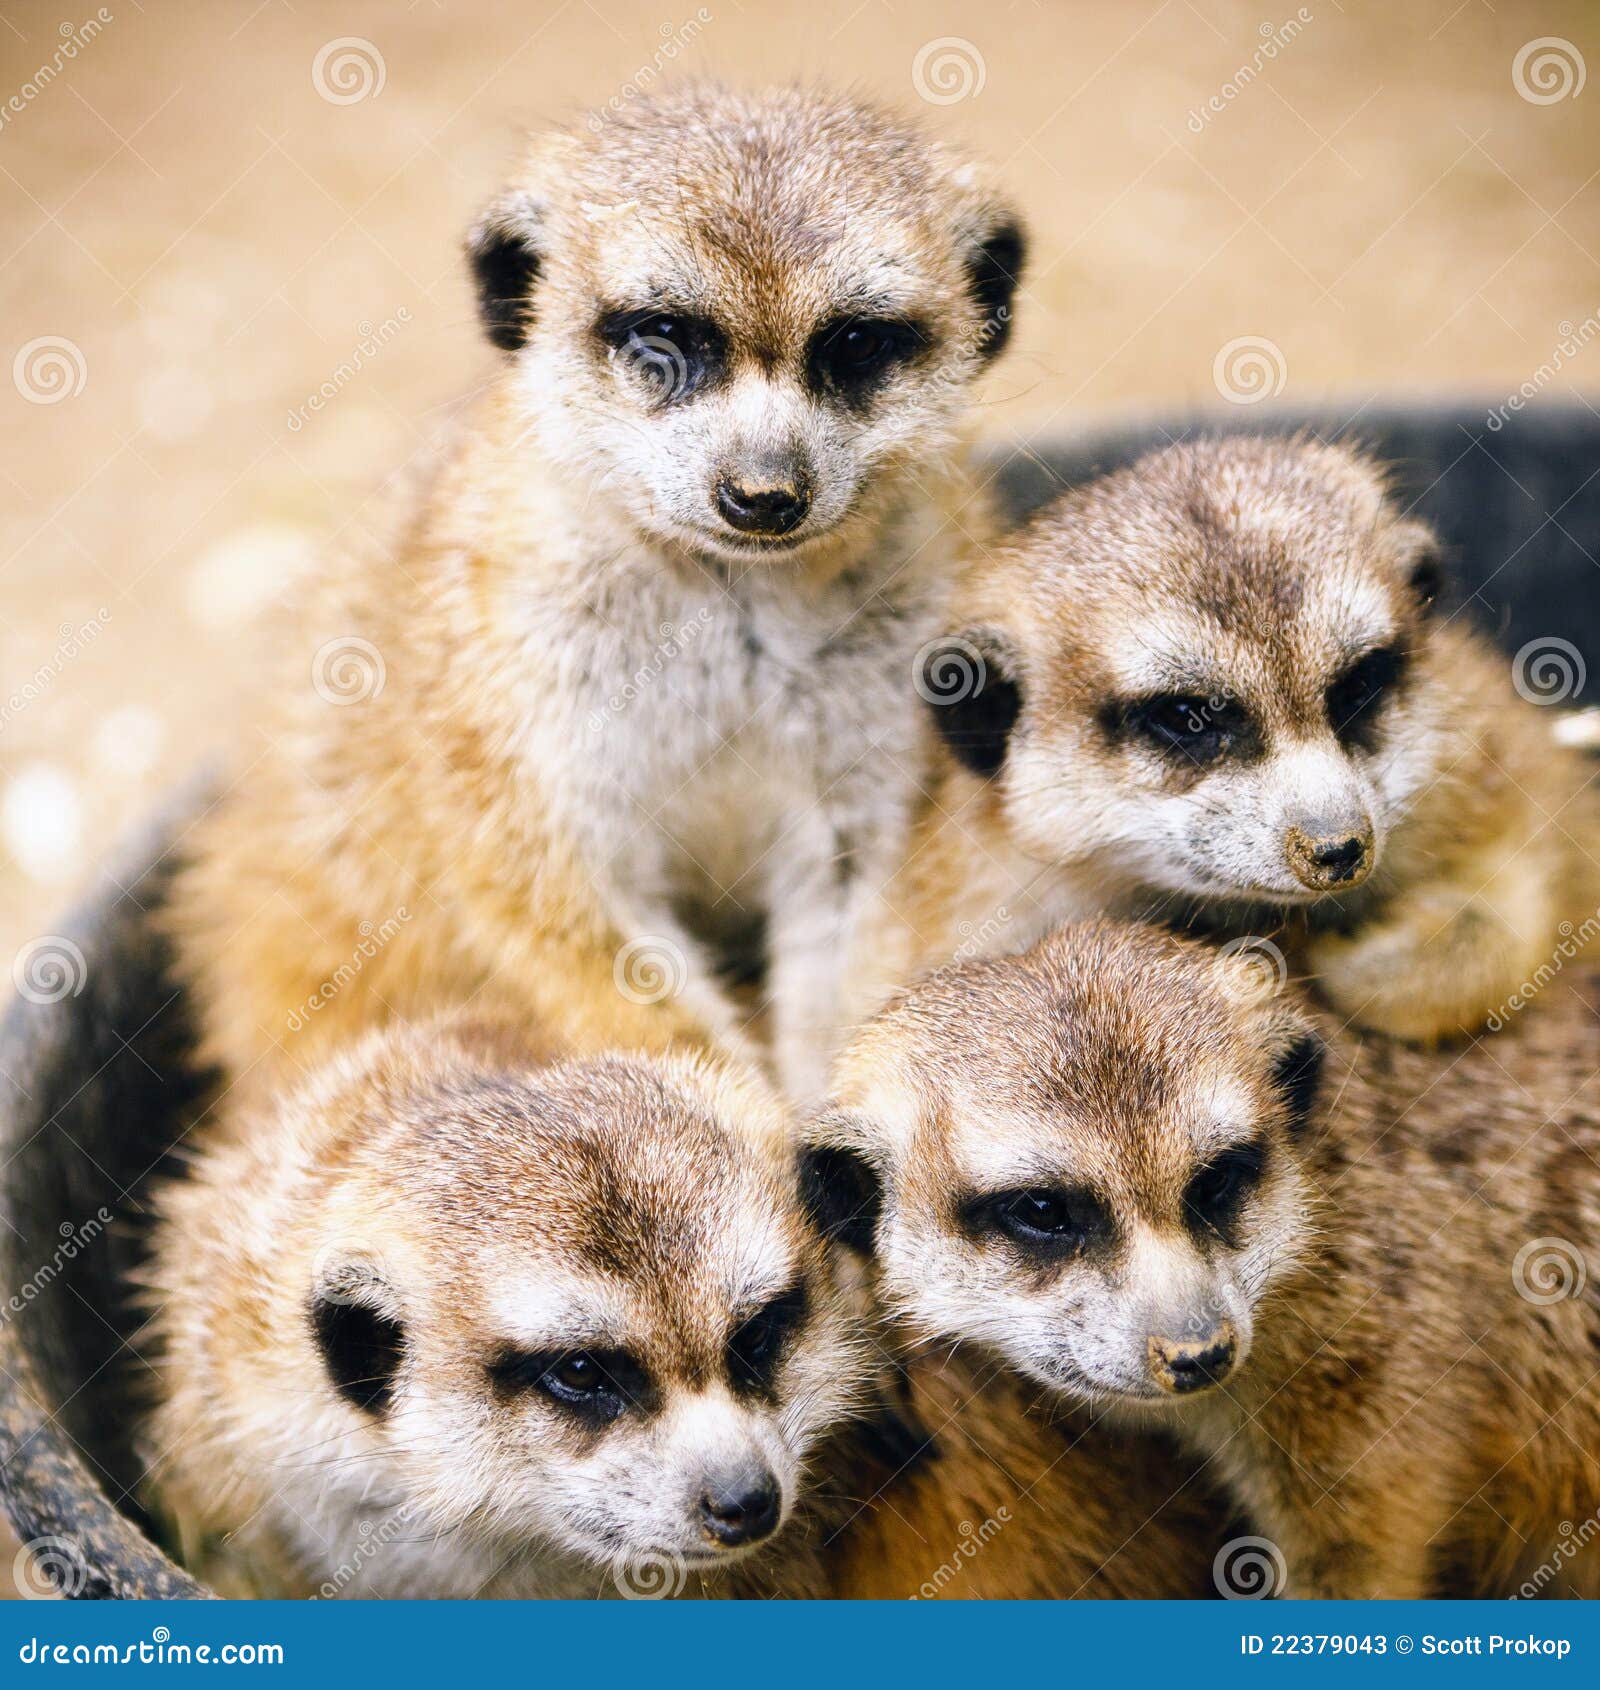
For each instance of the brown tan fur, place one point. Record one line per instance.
(1025, 1502)
(1363, 1286)
(607, 718)
(485, 1201)
(1248, 576)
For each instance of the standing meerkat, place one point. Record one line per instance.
(641, 663)
(456, 1319)
(1216, 685)
(1350, 1273)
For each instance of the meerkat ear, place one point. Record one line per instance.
(358, 1333)
(841, 1189)
(1422, 560)
(1297, 1073)
(506, 251)
(968, 681)
(994, 268)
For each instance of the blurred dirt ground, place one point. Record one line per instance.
(210, 214)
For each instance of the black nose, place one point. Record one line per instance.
(742, 1511)
(1339, 858)
(1203, 1367)
(763, 510)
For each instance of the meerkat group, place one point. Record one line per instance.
(1002, 1241)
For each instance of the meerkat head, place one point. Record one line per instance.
(1085, 1157)
(584, 1308)
(747, 318)
(1209, 674)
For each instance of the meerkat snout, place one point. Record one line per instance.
(764, 501)
(1181, 1365)
(1327, 855)
(742, 1506)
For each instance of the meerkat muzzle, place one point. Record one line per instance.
(1192, 1364)
(1328, 862)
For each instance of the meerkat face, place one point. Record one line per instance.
(1087, 1158)
(585, 1310)
(746, 319)
(1209, 675)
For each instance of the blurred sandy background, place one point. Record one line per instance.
(233, 305)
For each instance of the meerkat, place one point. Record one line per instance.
(637, 673)
(464, 1317)
(1216, 686)
(1343, 1270)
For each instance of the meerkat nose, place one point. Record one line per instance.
(1324, 860)
(1180, 1365)
(741, 1508)
(763, 510)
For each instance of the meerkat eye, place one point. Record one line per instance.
(1355, 698)
(671, 354)
(755, 1348)
(1187, 727)
(853, 354)
(1047, 1220)
(596, 1385)
(1216, 1194)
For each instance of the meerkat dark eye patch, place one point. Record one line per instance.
(1186, 727)
(1217, 1193)
(993, 272)
(504, 267)
(1297, 1074)
(1047, 1222)
(761, 1342)
(670, 354)
(849, 358)
(1426, 578)
(594, 1386)
(842, 1194)
(361, 1349)
(974, 702)
(1356, 698)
